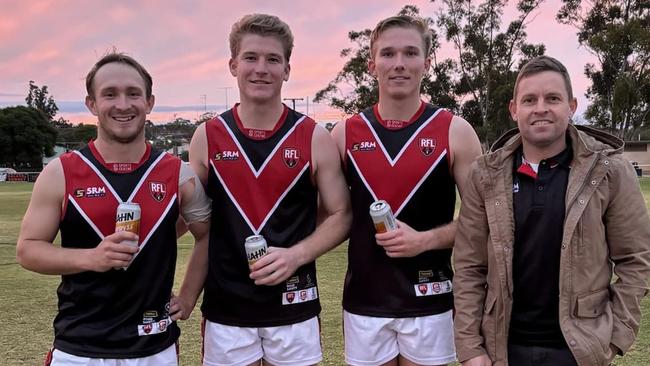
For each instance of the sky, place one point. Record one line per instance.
(184, 45)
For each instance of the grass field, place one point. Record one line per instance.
(28, 299)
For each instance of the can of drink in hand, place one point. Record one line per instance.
(128, 219)
(256, 248)
(382, 216)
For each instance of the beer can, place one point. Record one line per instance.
(382, 216)
(256, 248)
(128, 219)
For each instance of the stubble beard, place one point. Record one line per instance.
(121, 139)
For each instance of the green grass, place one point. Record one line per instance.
(29, 300)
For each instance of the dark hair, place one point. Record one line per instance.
(402, 21)
(541, 64)
(262, 25)
(119, 58)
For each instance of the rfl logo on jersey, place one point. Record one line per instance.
(290, 296)
(423, 288)
(427, 145)
(158, 190)
(290, 156)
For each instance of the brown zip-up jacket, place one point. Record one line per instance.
(606, 230)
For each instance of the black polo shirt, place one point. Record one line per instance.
(538, 200)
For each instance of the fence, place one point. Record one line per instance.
(19, 177)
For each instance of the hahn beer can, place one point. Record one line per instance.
(256, 248)
(128, 219)
(382, 216)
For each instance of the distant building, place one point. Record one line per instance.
(637, 151)
(178, 150)
(58, 151)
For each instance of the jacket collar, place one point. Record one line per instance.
(586, 142)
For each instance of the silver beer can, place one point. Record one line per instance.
(382, 216)
(128, 219)
(256, 248)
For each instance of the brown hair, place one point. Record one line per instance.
(402, 21)
(541, 64)
(261, 25)
(118, 57)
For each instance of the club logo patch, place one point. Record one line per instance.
(158, 190)
(427, 146)
(147, 328)
(290, 296)
(436, 287)
(422, 289)
(162, 325)
(290, 156)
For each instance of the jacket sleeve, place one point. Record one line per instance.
(470, 264)
(628, 238)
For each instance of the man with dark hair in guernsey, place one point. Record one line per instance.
(397, 298)
(270, 171)
(115, 297)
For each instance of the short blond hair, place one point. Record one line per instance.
(402, 21)
(262, 25)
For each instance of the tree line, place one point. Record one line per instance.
(477, 83)
(29, 133)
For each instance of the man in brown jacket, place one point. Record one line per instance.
(548, 216)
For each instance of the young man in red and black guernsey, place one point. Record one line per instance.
(269, 171)
(397, 298)
(114, 299)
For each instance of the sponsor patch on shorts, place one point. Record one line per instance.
(432, 288)
(154, 327)
(300, 296)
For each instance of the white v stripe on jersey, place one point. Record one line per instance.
(110, 188)
(277, 203)
(88, 220)
(391, 161)
(411, 193)
(256, 230)
(94, 168)
(424, 177)
(363, 178)
(155, 227)
(268, 158)
(144, 176)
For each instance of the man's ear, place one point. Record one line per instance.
(91, 105)
(150, 103)
(512, 107)
(371, 67)
(287, 72)
(232, 65)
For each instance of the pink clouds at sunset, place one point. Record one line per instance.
(184, 44)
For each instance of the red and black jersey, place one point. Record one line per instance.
(260, 183)
(119, 313)
(408, 166)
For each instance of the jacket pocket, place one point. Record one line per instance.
(595, 322)
(488, 325)
(593, 304)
